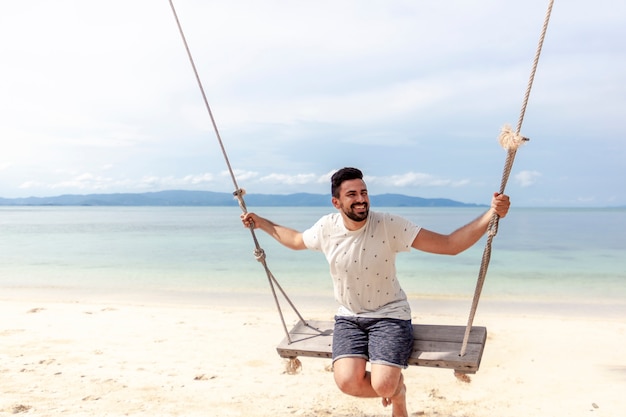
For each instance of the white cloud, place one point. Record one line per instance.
(241, 175)
(416, 179)
(196, 181)
(205, 178)
(297, 179)
(31, 184)
(93, 101)
(85, 181)
(527, 178)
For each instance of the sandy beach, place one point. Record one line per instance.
(137, 358)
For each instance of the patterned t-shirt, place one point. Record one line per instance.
(362, 262)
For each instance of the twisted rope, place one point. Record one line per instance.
(259, 253)
(511, 141)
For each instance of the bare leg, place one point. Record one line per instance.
(384, 381)
(352, 378)
(390, 383)
(398, 401)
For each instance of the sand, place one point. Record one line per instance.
(136, 358)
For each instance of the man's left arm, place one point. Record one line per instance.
(464, 237)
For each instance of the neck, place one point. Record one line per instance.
(352, 225)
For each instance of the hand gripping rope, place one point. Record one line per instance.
(510, 140)
(259, 253)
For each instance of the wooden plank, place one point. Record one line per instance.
(434, 345)
(314, 340)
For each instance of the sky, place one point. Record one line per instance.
(99, 97)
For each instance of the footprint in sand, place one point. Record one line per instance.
(20, 408)
(10, 332)
(204, 377)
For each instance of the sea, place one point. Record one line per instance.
(572, 258)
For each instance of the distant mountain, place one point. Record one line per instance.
(401, 200)
(209, 198)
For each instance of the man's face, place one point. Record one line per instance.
(353, 200)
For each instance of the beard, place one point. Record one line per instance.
(357, 216)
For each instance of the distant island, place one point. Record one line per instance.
(210, 198)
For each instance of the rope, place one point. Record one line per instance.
(510, 140)
(259, 253)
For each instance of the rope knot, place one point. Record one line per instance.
(293, 366)
(239, 197)
(493, 230)
(259, 254)
(509, 139)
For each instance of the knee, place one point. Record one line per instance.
(385, 388)
(387, 384)
(351, 376)
(347, 384)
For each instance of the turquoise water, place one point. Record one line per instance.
(538, 254)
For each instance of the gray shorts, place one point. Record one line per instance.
(379, 340)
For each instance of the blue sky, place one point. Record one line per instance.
(99, 97)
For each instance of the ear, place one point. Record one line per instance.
(335, 202)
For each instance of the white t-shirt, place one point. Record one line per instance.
(362, 262)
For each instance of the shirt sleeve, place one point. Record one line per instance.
(401, 232)
(312, 237)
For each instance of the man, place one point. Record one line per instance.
(373, 322)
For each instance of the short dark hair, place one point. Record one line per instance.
(344, 174)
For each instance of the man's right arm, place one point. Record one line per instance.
(288, 237)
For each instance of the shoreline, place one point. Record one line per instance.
(420, 305)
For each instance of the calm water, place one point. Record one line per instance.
(539, 254)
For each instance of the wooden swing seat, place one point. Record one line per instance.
(434, 345)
